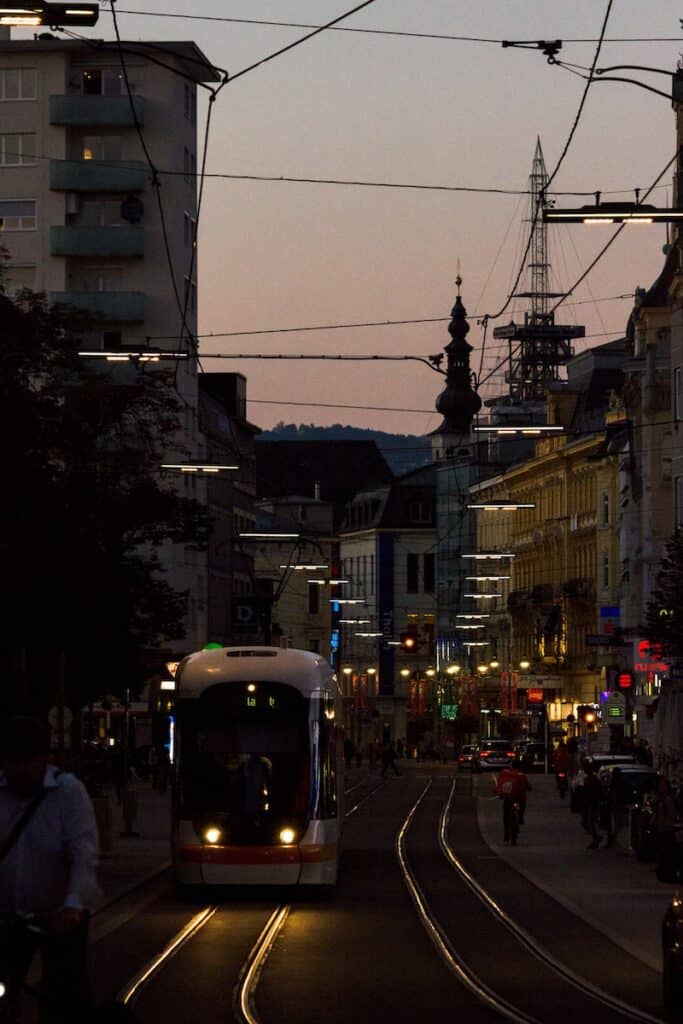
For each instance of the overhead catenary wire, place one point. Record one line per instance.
(359, 324)
(540, 200)
(384, 32)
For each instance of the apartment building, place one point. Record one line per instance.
(80, 220)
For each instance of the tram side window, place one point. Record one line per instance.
(328, 760)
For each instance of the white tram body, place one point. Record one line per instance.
(258, 794)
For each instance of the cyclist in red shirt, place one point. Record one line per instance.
(512, 786)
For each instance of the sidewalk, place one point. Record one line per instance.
(608, 888)
(133, 860)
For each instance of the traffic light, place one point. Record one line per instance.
(625, 680)
(409, 640)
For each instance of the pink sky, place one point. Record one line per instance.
(406, 110)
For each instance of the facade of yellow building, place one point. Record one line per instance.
(564, 580)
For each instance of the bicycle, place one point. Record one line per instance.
(514, 821)
(12, 982)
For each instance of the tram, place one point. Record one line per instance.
(258, 750)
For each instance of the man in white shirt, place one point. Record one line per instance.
(49, 871)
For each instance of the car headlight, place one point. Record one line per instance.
(287, 836)
(212, 835)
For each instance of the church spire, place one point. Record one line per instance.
(458, 403)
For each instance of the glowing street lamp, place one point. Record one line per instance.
(614, 213)
(452, 670)
(501, 506)
(528, 430)
(198, 467)
(481, 556)
(54, 15)
(524, 664)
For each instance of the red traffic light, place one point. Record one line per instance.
(625, 680)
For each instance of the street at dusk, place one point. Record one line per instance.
(341, 370)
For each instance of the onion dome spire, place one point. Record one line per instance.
(458, 403)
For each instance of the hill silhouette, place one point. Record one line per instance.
(403, 452)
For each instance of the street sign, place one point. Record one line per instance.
(605, 640)
(613, 707)
(449, 712)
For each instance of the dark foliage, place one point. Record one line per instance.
(84, 511)
(664, 622)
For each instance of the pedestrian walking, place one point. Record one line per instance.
(389, 758)
(593, 798)
(153, 765)
(512, 786)
(48, 854)
(664, 820)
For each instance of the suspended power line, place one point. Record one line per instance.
(385, 31)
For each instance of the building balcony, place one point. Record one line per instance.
(580, 587)
(518, 601)
(542, 594)
(96, 111)
(116, 307)
(90, 176)
(66, 240)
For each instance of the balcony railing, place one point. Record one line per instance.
(579, 587)
(519, 600)
(115, 307)
(96, 111)
(91, 176)
(66, 240)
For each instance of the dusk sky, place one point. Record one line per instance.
(422, 111)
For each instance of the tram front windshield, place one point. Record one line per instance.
(244, 760)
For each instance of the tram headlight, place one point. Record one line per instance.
(287, 836)
(212, 835)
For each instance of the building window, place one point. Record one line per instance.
(679, 502)
(102, 147)
(412, 574)
(99, 279)
(190, 102)
(101, 213)
(605, 570)
(313, 599)
(677, 392)
(17, 214)
(604, 513)
(420, 512)
(18, 277)
(189, 228)
(17, 150)
(101, 82)
(429, 572)
(191, 301)
(17, 84)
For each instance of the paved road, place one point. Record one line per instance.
(365, 955)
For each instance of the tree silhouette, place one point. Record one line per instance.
(664, 618)
(84, 513)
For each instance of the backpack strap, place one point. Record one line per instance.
(20, 824)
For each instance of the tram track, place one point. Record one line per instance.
(597, 1004)
(243, 994)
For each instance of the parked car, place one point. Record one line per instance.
(672, 957)
(576, 780)
(492, 755)
(532, 755)
(466, 756)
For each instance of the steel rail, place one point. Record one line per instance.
(243, 999)
(132, 990)
(439, 937)
(527, 940)
(362, 800)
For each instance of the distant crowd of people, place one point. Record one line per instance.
(375, 753)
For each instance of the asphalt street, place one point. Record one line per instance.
(364, 953)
